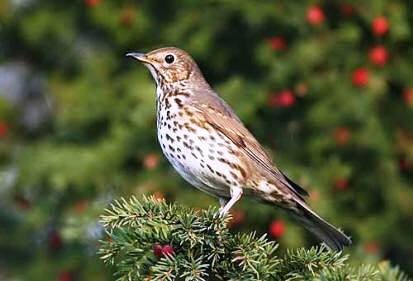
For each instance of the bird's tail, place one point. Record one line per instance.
(331, 236)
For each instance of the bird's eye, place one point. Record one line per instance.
(169, 59)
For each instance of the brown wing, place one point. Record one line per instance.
(221, 117)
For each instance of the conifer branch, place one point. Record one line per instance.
(149, 239)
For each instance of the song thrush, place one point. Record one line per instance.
(209, 146)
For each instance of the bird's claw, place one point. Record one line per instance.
(222, 213)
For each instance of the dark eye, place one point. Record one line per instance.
(169, 58)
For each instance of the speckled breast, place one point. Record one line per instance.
(201, 155)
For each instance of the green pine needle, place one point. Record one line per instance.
(204, 249)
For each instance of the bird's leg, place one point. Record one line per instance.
(222, 203)
(236, 193)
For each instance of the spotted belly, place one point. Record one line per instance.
(201, 155)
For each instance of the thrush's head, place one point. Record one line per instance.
(168, 65)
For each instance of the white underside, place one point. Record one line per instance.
(192, 169)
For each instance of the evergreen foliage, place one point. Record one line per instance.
(204, 249)
(325, 86)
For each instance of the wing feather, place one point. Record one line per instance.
(220, 116)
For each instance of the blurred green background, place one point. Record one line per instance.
(326, 87)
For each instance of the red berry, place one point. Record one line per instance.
(151, 161)
(162, 251)
(341, 183)
(283, 99)
(380, 26)
(127, 17)
(314, 196)
(403, 164)
(277, 228)
(347, 9)
(157, 250)
(278, 43)
(167, 250)
(315, 15)
(4, 129)
(81, 206)
(341, 135)
(360, 77)
(54, 240)
(92, 3)
(371, 247)
(301, 89)
(379, 55)
(65, 276)
(238, 217)
(408, 96)
(159, 196)
(22, 202)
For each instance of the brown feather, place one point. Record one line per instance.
(221, 117)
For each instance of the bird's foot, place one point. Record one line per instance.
(222, 212)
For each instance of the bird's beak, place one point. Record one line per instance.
(138, 56)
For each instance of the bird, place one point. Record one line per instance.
(208, 145)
